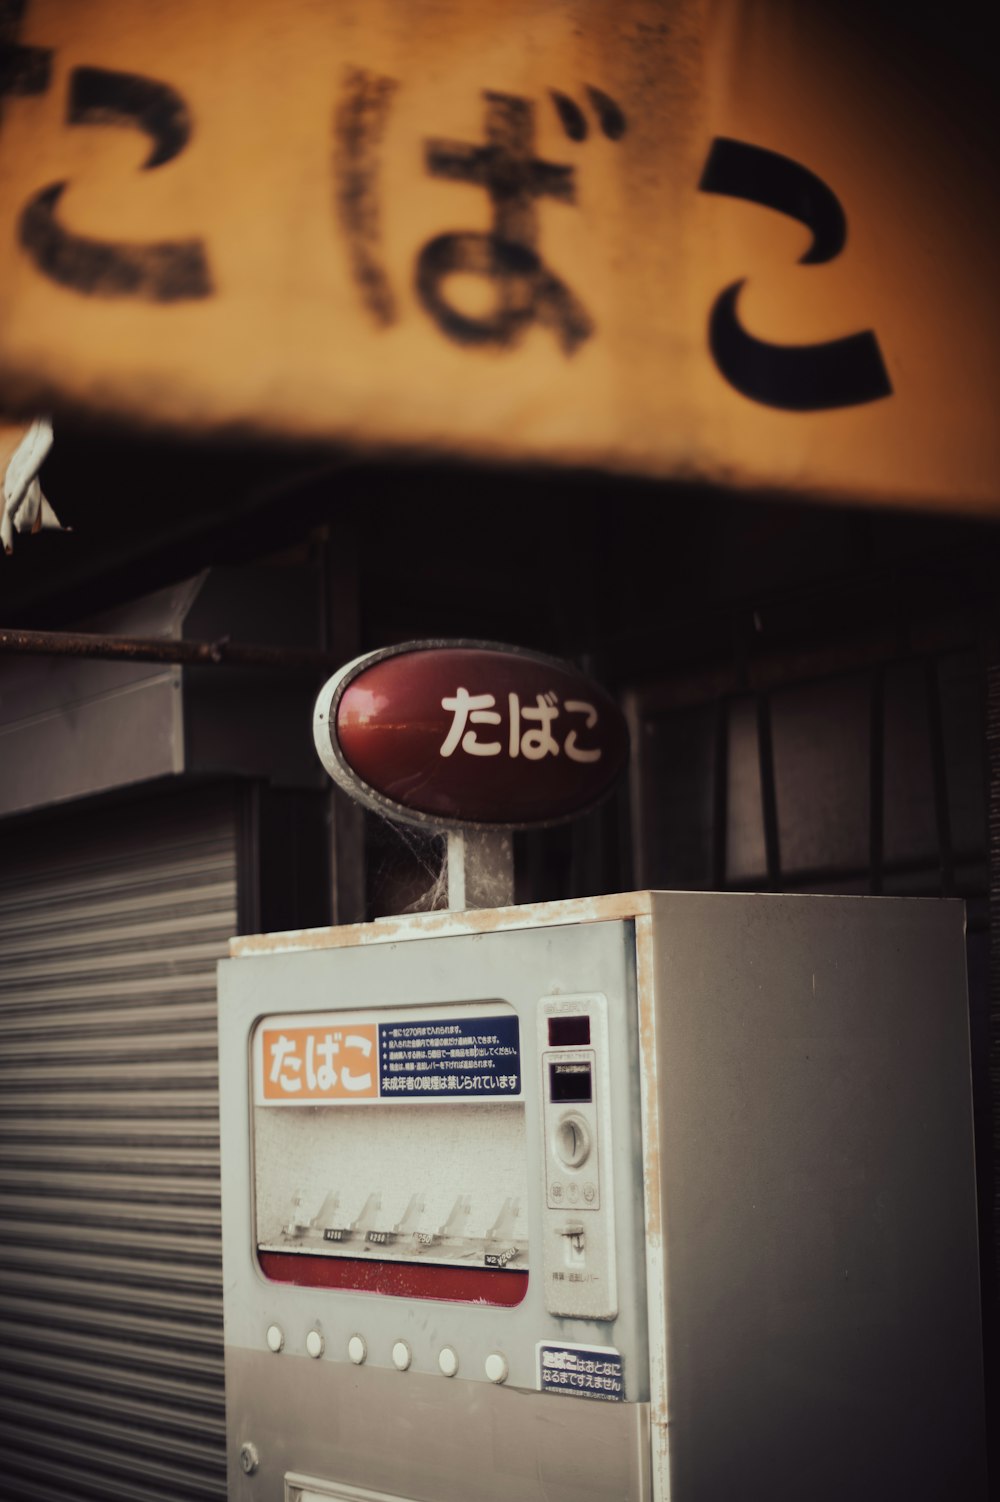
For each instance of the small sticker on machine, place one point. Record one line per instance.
(470, 1056)
(582, 1371)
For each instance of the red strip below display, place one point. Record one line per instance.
(409, 1280)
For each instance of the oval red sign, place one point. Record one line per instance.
(470, 734)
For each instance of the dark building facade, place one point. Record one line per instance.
(813, 696)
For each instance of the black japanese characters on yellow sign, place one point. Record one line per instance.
(539, 259)
(162, 271)
(513, 177)
(805, 378)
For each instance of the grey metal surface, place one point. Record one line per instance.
(822, 1313)
(70, 727)
(239, 720)
(110, 1276)
(428, 1439)
(421, 1414)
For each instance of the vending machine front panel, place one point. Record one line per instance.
(434, 1214)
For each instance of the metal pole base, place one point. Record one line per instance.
(480, 869)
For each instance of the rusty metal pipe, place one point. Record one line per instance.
(163, 649)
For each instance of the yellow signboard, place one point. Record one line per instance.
(708, 240)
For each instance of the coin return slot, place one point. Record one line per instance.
(573, 1236)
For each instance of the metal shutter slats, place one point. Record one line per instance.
(151, 1160)
(134, 1479)
(117, 1353)
(140, 1271)
(99, 1185)
(111, 1362)
(159, 1388)
(187, 1307)
(157, 986)
(122, 1104)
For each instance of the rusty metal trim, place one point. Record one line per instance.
(222, 652)
(445, 922)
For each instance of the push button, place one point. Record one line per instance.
(356, 1349)
(497, 1368)
(448, 1361)
(315, 1344)
(275, 1338)
(401, 1356)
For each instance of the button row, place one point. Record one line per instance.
(495, 1366)
(571, 1192)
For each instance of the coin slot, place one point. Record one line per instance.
(572, 1142)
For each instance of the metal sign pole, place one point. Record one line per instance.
(480, 869)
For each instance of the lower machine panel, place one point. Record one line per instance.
(410, 1437)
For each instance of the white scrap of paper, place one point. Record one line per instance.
(24, 507)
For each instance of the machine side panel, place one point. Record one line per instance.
(817, 1197)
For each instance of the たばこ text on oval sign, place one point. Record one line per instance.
(650, 236)
(470, 734)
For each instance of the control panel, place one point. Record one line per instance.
(578, 1243)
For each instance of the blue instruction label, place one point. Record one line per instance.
(472, 1056)
(582, 1372)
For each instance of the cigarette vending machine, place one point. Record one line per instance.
(665, 1197)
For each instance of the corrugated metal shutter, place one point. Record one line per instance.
(110, 1255)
